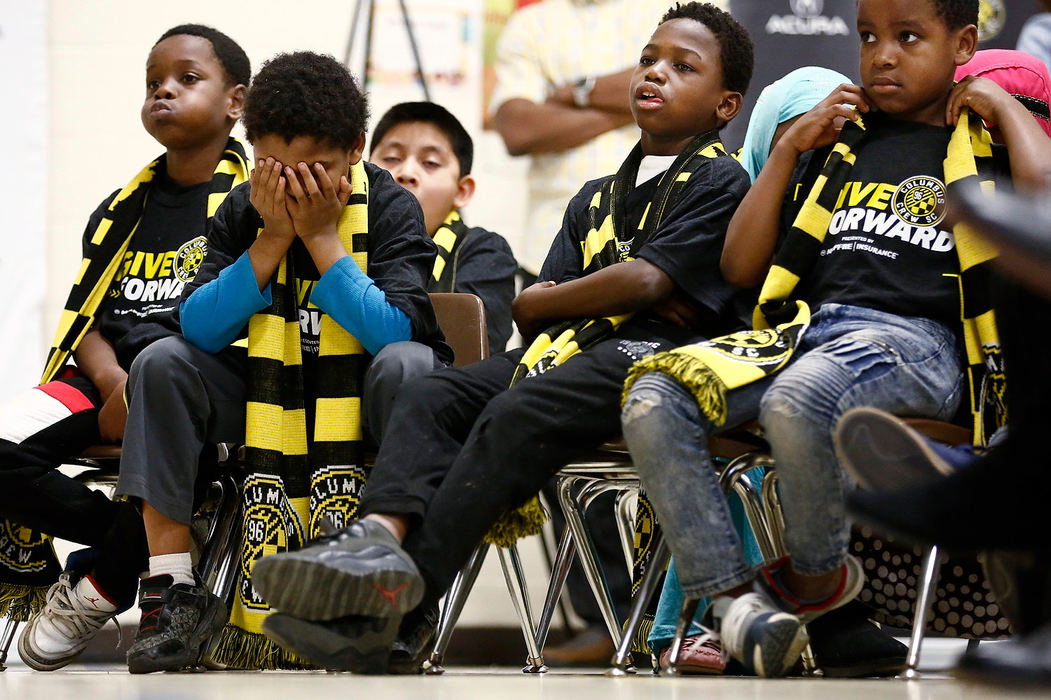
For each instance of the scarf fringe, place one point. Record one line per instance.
(239, 649)
(513, 525)
(701, 381)
(640, 643)
(19, 602)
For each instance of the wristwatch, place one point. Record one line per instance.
(582, 91)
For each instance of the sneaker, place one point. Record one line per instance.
(882, 452)
(414, 642)
(847, 645)
(354, 643)
(178, 622)
(764, 638)
(360, 570)
(72, 615)
(701, 655)
(769, 581)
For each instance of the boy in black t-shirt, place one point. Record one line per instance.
(633, 270)
(141, 246)
(888, 282)
(430, 154)
(320, 261)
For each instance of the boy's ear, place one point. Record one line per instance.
(729, 106)
(966, 44)
(464, 192)
(356, 149)
(236, 108)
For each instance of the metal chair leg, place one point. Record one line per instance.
(549, 542)
(589, 559)
(454, 602)
(757, 516)
(516, 585)
(775, 519)
(222, 552)
(621, 661)
(626, 523)
(689, 609)
(919, 618)
(7, 637)
(559, 571)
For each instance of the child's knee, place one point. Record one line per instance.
(786, 411)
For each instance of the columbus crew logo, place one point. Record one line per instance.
(189, 257)
(920, 201)
(271, 526)
(22, 549)
(334, 496)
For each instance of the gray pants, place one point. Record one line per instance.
(183, 398)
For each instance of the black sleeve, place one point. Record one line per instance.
(565, 258)
(401, 255)
(231, 232)
(689, 242)
(486, 267)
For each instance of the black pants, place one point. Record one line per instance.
(467, 449)
(33, 493)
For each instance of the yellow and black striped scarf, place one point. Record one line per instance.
(294, 482)
(710, 368)
(27, 561)
(449, 237)
(605, 244)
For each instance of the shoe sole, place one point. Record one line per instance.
(37, 663)
(368, 653)
(783, 642)
(882, 452)
(314, 591)
(200, 642)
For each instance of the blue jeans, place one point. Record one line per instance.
(850, 356)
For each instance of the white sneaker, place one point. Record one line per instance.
(73, 614)
(757, 633)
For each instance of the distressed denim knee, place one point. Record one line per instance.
(667, 435)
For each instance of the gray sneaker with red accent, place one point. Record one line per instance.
(360, 570)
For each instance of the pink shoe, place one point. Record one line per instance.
(701, 655)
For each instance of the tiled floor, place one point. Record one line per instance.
(498, 683)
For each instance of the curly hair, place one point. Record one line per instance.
(956, 13)
(305, 94)
(229, 53)
(437, 116)
(736, 51)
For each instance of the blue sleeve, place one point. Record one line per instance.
(354, 301)
(214, 314)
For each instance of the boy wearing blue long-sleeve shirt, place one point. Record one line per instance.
(320, 262)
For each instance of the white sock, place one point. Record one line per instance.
(178, 566)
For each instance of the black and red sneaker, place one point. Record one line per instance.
(176, 625)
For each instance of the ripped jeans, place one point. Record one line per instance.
(850, 356)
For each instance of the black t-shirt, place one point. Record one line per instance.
(686, 247)
(485, 266)
(887, 247)
(162, 256)
(400, 257)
